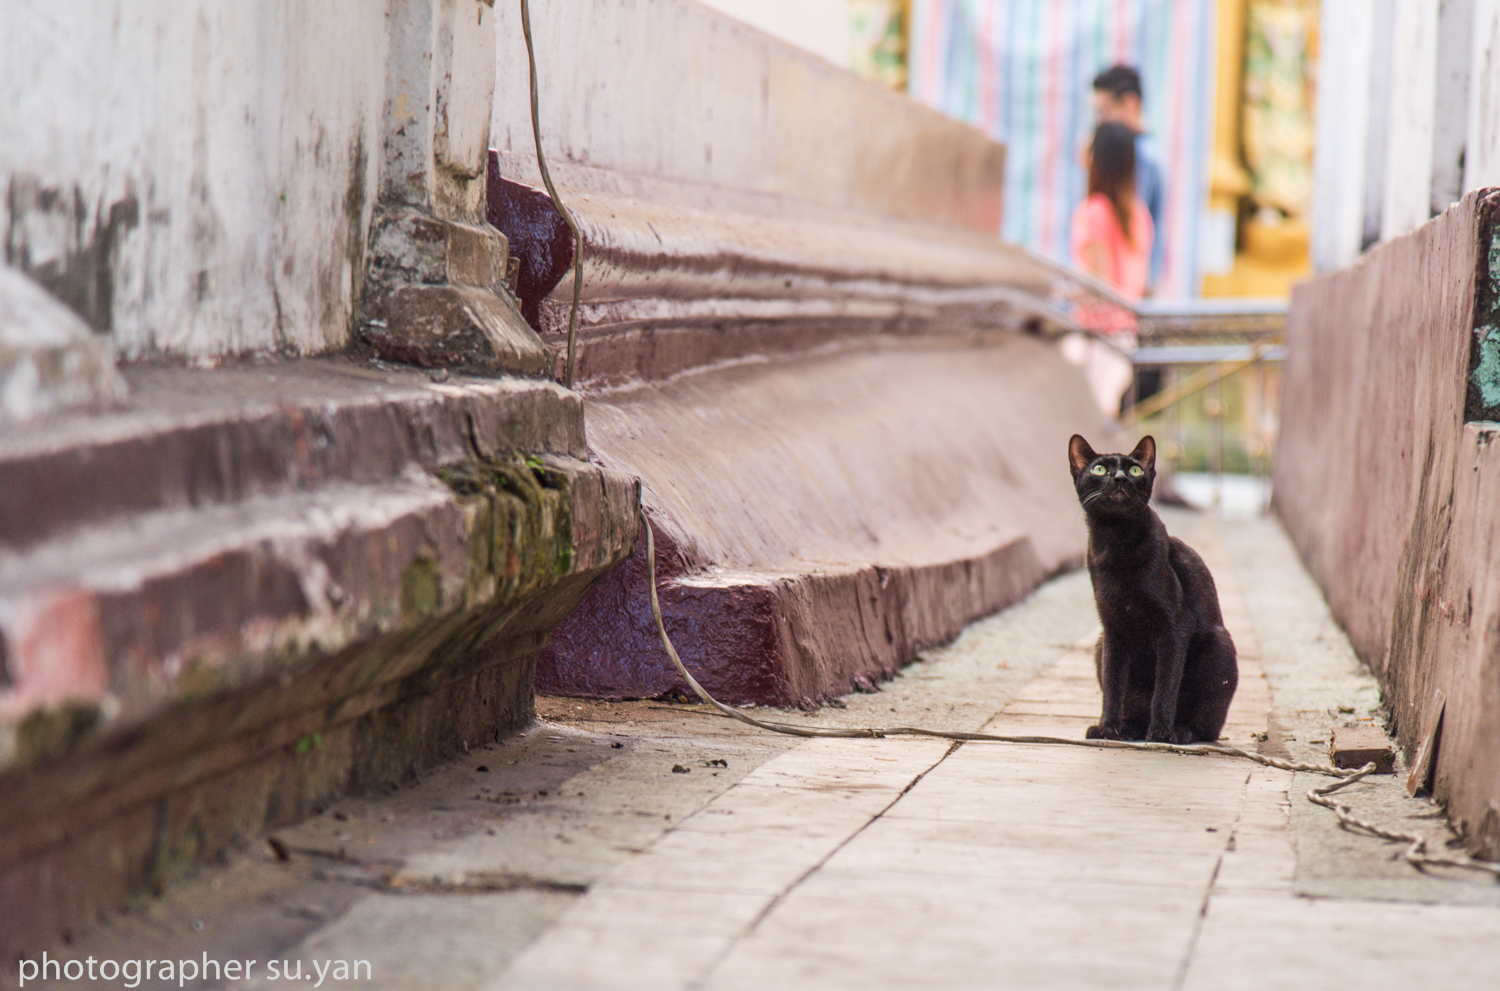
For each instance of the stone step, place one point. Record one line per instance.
(193, 437)
(246, 591)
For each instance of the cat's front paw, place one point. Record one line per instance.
(1179, 735)
(1101, 733)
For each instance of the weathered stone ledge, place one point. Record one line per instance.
(677, 279)
(287, 582)
(188, 439)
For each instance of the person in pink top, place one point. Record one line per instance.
(1111, 239)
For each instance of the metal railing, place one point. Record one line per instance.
(1192, 347)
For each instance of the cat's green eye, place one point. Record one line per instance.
(1137, 471)
(1099, 470)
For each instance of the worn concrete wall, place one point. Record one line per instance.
(1387, 479)
(622, 90)
(195, 178)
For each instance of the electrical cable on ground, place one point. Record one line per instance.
(1415, 853)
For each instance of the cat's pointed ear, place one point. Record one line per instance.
(1145, 453)
(1079, 454)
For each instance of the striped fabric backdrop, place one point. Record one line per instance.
(1021, 70)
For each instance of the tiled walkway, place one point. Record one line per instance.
(911, 864)
(662, 848)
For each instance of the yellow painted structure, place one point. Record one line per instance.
(1270, 254)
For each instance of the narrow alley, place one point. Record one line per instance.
(353, 355)
(643, 845)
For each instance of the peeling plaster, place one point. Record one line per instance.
(193, 178)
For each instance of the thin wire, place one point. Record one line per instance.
(1415, 853)
(541, 161)
(876, 733)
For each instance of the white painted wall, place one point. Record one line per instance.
(1450, 111)
(236, 145)
(1428, 115)
(1409, 142)
(819, 26)
(1382, 50)
(1347, 39)
(1482, 150)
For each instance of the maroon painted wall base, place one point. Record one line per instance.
(776, 639)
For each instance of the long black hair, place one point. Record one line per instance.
(1112, 170)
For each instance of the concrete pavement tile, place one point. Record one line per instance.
(892, 929)
(718, 914)
(875, 770)
(1145, 776)
(980, 850)
(424, 942)
(707, 874)
(1268, 779)
(1064, 804)
(1251, 942)
(1252, 695)
(1068, 708)
(1085, 764)
(757, 964)
(1247, 648)
(821, 754)
(1038, 754)
(1073, 680)
(798, 812)
(743, 862)
(537, 846)
(571, 958)
(1068, 727)
(831, 903)
(1258, 862)
(1049, 685)
(1106, 837)
(1266, 816)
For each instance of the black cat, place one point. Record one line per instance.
(1166, 664)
